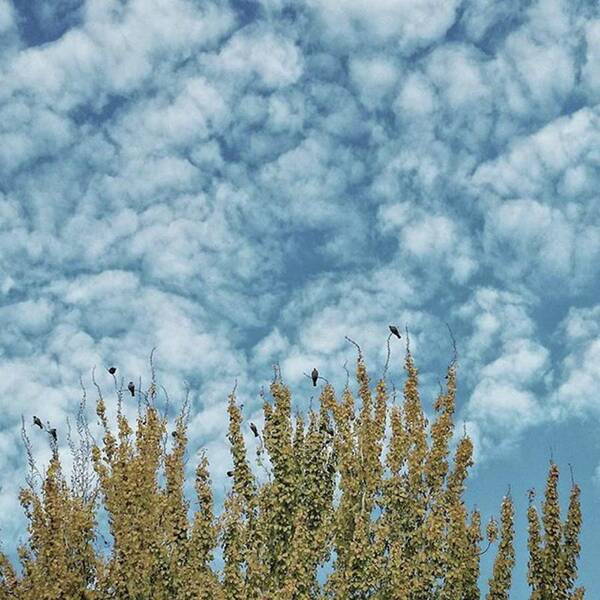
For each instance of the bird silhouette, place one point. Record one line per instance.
(395, 331)
(314, 375)
(37, 421)
(254, 429)
(112, 370)
(326, 429)
(131, 388)
(229, 473)
(52, 432)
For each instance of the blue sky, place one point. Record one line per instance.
(239, 183)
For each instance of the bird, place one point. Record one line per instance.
(315, 376)
(395, 331)
(112, 370)
(37, 421)
(52, 432)
(229, 473)
(326, 429)
(131, 388)
(254, 429)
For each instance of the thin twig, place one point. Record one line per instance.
(572, 478)
(455, 355)
(347, 374)
(387, 360)
(355, 344)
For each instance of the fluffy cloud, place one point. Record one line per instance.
(408, 25)
(575, 394)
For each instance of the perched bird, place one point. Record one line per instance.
(131, 388)
(326, 429)
(229, 473)
(112, 370)
(37, 421)
(254, 429)
(395, 331)
(314, 375)
(52, 432)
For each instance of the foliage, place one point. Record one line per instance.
(362, 485)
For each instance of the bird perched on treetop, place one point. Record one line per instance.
(254, 429)
(52, 432)
(314, 375)
(395, 331)
(37, 421)
(112, 370)
(131, 388)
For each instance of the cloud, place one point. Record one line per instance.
(409, 25)
(276, 61)
(374, 77)
(591, 70)
(575, 394)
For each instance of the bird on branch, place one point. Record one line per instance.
(314, 376)
(395, 331)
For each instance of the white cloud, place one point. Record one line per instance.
(576, 391)
(374, 78)
(408, 24)
(503, 407)
(417, 96)
(7, 17)
(591, 68)
(276, 61)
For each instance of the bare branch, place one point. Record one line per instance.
(572, 478)
(455, 355)
(347, 374)
(387, 360)
(355, 344)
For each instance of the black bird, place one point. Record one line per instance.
(131, 388)
(254, 429)
(314, 375)
(395, 331)
(37, 421)
(52, 432)
(112, 370)
(326, 429)
(229, 473)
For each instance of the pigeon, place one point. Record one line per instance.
(315, 376)
(131, 388)
(229, 473)
(254, 429)
(37, 421)
(112, 370)
(395, 331)
(52, 432)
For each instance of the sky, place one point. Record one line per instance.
(242, 183)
